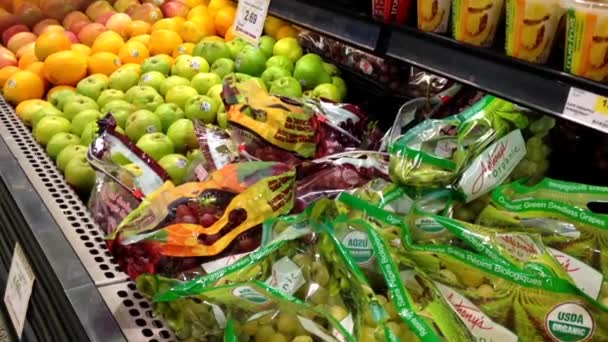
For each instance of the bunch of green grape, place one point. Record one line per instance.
(373, 327)
(536, 162)
(274, 327)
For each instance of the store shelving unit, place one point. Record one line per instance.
(80, 294)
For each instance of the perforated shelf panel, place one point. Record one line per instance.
(131, 310)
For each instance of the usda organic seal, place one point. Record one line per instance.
(570, 322)
(249, 294)
(359, 247)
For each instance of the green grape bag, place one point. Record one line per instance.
(500, 302)
(473, 151)
(558, 212)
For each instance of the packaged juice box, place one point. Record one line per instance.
(433, 15)
(587, 39)
(531, 28)
(474, 21)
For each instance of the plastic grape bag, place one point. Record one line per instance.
(479, 148)
(216, 218)
(216, 150)
(502, 302)
(125, 175)
(558, 212)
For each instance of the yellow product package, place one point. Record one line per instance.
(531, 28)
(587, 39)
(433, 15)
(474, 21)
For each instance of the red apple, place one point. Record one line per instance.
(29, 13)
(123, 5)
(120, 23)
(77, 26)
(73, 17)
(155, 2)
(98, 8)
(6, 5)
(11, 31)
(147, 12)
(103, 19)
(72, 36)
(39, 28)
(7, 58)
(7, 20)
(174, 9)
(57, 9)
(89, 32)
(20, 39)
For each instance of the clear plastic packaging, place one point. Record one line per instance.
(474, 21)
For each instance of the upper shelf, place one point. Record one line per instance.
(537, 87)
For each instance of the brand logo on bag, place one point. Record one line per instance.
(359, 246)
(249, 294)
(429, 225)
(570, 322)
(521, 247)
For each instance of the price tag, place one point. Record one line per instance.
(18, 289)
(587, 108)
(250, 18)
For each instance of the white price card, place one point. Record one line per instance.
(587, 108)
(18, 289)
(250, 18)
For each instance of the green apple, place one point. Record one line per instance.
(222, 67)
(204, 81)
(60, 141)
(89, 133)
(212, 51)
(266, 44)
(27, 114)
(327, 91)
(330, 69)
(77, 105)
(80, 175)
(176, 166)
(286, 86)
(195, 155)
(201, 107)
(274, 73)
(109, 95)
(156, 63)
(215, 93)
(59, 98)
(236, 46)
(152, 79)
(93, 85)
(188, 67)
(168, 113)
(180, 94)
(83, 118)
(139, 91)
(182, 134)
(341, 85)
(288, 47)
(156, 145)
(144, 97)
(280, 61)
(172, 81)
(123, 79)
(309, 71)
(142, 122)
(240, 78)
(68, 153)
(43, 112)
(308, 94)
(48, 126)
(251, 62)
(222, 118)
(121, 115)
(182, 58)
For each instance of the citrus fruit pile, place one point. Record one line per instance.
(155, 65)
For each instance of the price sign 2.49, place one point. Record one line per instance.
(250, 17)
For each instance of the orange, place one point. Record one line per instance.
(51, 42)
(38, 68)
(230, 35)
(27, 48)
(27, 59)
(272, 25)
(28, 105)
(65, 67)
(7, 72)
(198, 11)
(144, 38)
(179, 21)
(163, 42)
(205, 23)
(55, 89)
(85, 50)
(132, 66)
(23, 85)
(165, 24)
(286, 31)
(138, 27)
(183, 49)
(223, 19)
(108, 41)
(191, 32)
(133, 52)
(103, 63)
(52, 28)
(215, 5)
